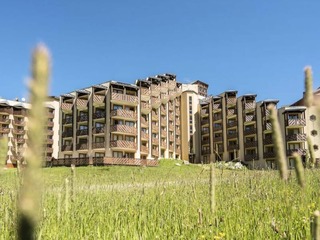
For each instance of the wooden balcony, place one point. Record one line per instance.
(49, 141)
(163, 144)
(19, 112)
(19, 131)
(123, 129)
(4, 130)
(217, 117)
(155, 129)
(98, 100)
(249, 105)
(4, 120)
(217, 127)
(178, 121)
(268, 141)
(268, 126)
(70, 161)
(49, 150)
(232, 124)
(144, 122)
(99, 115)
(82, 103)
(171, 138)
(251, 157)
(204, 112)
(205, 121)
(20, 140)
(82, 146)
(124, 114)
(155, 102)
(231, 112)
(66, 107)
(67, 120)
(155, 90)
(163, 111)
(83, 118)
(155, 117)
(205, 141)
(205, 152)
(96, 145)
(170, 106)
(82, 132)
(98, 130)
(300, 137)
(17, 122)
(145, 93)
(172, 95)
(66, 147)
(5, 110)
(155, 152)
(233, 147)
(124, 99)
(249, 118)
(300, 151)
(172, 85)
(163, 122)
(155, 141)
(50, 123)
(217, 139)
(163, 133)
(296, 122)
(144, 149)
(171, 127)
(269, 155)
(178, 142)
(177, 131)
(145, 107)
(231, 100)
(144, 136)
(122, 144)
(250, 131)
(251, 144)
(232, 135)
(217, 106)
(164, 97)
(130, 162)
(205, 131)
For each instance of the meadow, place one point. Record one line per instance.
(165, 202)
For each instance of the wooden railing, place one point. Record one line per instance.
(123, 129)
(124, 114)
(99, 114)
(66, 106)
(82, 132)
(130, 161)
(124, 98)
(300, 151)
(66, 147)
(97, 130)
(300, 137)
(98, 145)
(82, 103)
(82, 146)
(98, 98)
(82, 118)
(296, 122)
(67, 120)
(123, 144)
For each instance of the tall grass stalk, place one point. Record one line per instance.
(299, 169)
(278, 143)
(3, 151)
(67, 195)
(308, 84)
(315, 227)
(30, 191)
(212, 188)
(72, 181)
(312, 158)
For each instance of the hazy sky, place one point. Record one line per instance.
(253, 46)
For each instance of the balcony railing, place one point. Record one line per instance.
(204, 121)
(300, 137)
(97, 130)
(82, 146)
(268, 141)
(217, 139)
(21, 140)
(205, 131)
(66, 107)
(232, 124)
(250, 131)
(6, 110)
(232, 135)
(178, 121)
(268, 126)
(172, 85)
(155, 90)
(99, 114)
(249, 118)
(66, 147)
(163, 144)
(217, 117)
(70, 161)
(19, 131)
(250, 105)
(155, 102)
(250, 144)
(231, 112)
(231, 100)
(178, 142)
(155, 117)
(124, 98)
(82, 118)
(98, 99)
(123, 129)
(4, 120)
(296, 122)
(144, 149)
(217, 127)
(67, 120)
(143, 121)
(82, 132)
(269, 155)
(144, 136)
(250, 157)
(127, 114)
(145, 107)
(145, 91)
(155, 141)
(82, 103)
(205, 141)
(233, 147)
(300, 151)
(4, 130)
(20, 112)
(205, 152)
(98, 145)
(16, 122)
(123, 144)
(217, 106)
(155, 128)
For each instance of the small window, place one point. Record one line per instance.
(314, 133)
(315, 147)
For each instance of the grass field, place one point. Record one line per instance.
(165, 202)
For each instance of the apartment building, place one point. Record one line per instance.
(13, 124)
(120, 123)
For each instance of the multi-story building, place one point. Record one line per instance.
(122, 123)
(13, 124)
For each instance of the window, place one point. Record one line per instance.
(314, 133)
(117, 154)
(116, 107)
(83, 127)
(129, 123)
(315, 147)
(97, 154)
(82, 155)
(99, 139)
(313, 118)
(130, 138)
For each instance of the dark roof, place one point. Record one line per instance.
(200, 82)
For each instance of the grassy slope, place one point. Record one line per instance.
(167, 202)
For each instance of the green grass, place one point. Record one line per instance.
(165, 203)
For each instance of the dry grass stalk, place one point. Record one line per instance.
(315, 226)
(72, 181)
(312, 158)
(30, 191)
(308, 84)
(212, 188)
(278, 143)
(66, 202)
(299, 169)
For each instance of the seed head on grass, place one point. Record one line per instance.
(30, 191)
(308, 84)
(278, 143)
